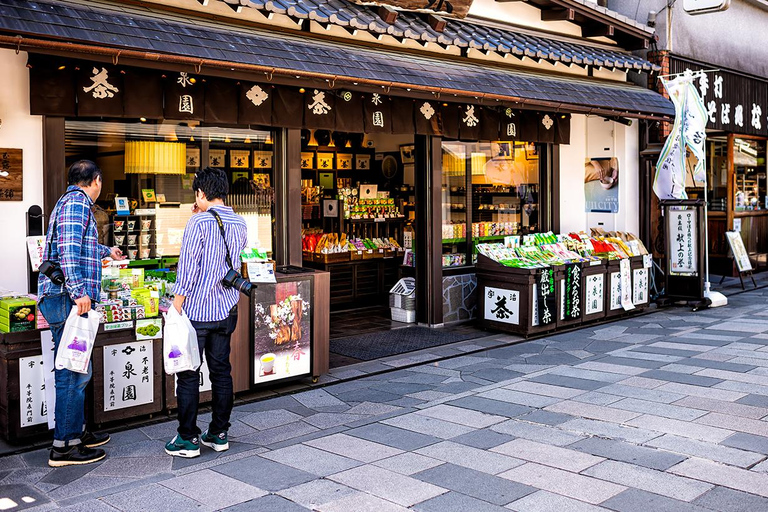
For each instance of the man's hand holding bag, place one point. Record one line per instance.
(180, 350)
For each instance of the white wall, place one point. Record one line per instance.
(22, 131)
(592, 136)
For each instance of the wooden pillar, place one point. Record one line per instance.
(730, 203)
(553, 208)
(428, 241)
(54, 162)
(287, 146)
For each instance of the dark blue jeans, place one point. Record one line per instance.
(70, 386)
(213, 339)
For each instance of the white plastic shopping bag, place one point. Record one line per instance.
(180, 349)
(77, 340)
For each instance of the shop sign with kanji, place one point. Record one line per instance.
(547, 302)
(128, 375)
(682, 244)
(11, 174)
(502, 305)
(34, 410)
(594, 294)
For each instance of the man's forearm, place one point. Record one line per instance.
(178, 302)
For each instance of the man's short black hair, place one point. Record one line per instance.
(212, 182)
(83, 172)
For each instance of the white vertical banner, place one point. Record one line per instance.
(694, 130)
(626, 285)
(46, 342)
(670, 169)
(32, 391)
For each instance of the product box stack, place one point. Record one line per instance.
(17, 314)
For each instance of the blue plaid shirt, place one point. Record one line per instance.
(75, 246)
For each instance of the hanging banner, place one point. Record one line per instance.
(142, 93)
(319, 109)
(469, 122)
(255, 101)
(377, 110)
(221, 101)
(694, 131)
(51, 86)
(349, 112)
(402, 115)
(428, 118)
(626, 285)
(547, 303)
(669, 182)
(563, 134)
(547, 124)
(184, 97)
(99, 91)
(683, 240)
(510, 125)
(489, 124)
(449, 113)
(502, 305)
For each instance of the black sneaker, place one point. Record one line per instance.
(74, 455)
(94, 439)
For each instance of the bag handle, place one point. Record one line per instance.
(223, 236)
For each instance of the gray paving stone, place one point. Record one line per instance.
(694, 380)
(426, 425)
(401, 388)
(597, 398)
(391, 486)
(726, 476)
(472, 483)
(497, 374)
(587, 374)
(152, 498)
(198, 486)
(568, 382)
(165, 430)
(632, 363)
(489, 406)
(650, 480)
(715, 393)
(518, 397)
(666, 351)
(419, 378)
(483, 438)
(271, 503)
(536, 432)
(96, 505)
(311, 460)
(361, 502)
(278, 434)
(612, 368)
(457, 387)
(747, 442)
(568, 484)
(127, 437)
(681, 428)
(134, 467)
(653, 395)
(546, 417)
(716, 452)
(537, 388)
(316, 493)
(367, 395)
(324, 420)
(461, 416)
(470, 457)
(65, 475)
(392, 436)
(722, 498)
(408, 463)
(597, 412)
(265, 420)
(731, 408)
(27, 476)
(733, 366)
(754, 400)
(633, 500)
(750, 426)
(609, 430)
(405, 402)
(625, 452)
(15, 461)
(454, 501)
(741, 326)
(665, 410)
(264, 474)
(354, 447)
(552, 358)
(548, 455)
(543, 501)
(35, 459)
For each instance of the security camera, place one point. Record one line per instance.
(651, 19)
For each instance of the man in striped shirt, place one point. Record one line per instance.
(211, 307)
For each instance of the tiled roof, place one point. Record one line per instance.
(460, 33)
(121, 28)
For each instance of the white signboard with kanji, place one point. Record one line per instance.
(34, 410)
(535, 306)
(640, 286)
(204, 377)
(502, 305)
(626, 285)
(128, 375)
(683, 240)
(594, 294)
(615, 291)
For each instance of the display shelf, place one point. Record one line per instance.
(378, 219)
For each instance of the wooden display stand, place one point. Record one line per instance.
(740, 257)
(596, 289)
(613, 308)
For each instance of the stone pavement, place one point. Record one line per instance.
(662, 412)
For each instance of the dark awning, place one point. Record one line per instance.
(142, 31)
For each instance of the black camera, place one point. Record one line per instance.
(233, 279)
(53, 272)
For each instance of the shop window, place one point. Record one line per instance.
(749, 175)
(490, 190)
(151, 165)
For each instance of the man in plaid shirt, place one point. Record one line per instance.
(73, 243)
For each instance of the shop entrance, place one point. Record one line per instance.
(358, 214)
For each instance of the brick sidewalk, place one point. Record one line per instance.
(660, 412)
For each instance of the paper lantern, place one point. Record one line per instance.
(149, 157)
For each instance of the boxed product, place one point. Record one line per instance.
(17, 314)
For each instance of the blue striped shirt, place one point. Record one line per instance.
(202, 264)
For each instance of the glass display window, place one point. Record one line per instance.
(749, 175)
(150, 167)
(490, 190)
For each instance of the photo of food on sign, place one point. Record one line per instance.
(282, 331)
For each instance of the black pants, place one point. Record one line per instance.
(213, 339)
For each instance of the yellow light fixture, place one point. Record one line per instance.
(143, 119)
(312, 140)
(269, 138)
(247, 140)
(301, 90)
(62, 68)
(150, 157)
(192, 138)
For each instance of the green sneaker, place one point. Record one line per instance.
(179, 447)
(216, 442)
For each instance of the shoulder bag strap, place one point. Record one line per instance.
(223, 236)
(53, 231)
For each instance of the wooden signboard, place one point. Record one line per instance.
(457, 8)
(11, 173)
